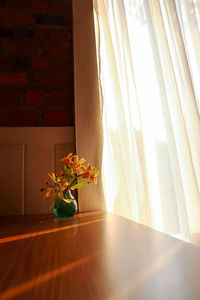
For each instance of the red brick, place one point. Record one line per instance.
(49, 19)
(5, 15)
(22, 17)
(35, 97)
(56, 117)
(68, 19)
(21, 4)
(26, 32)
(6, 31)
(58, 6)
(4, 3)
(13, 79)
(46, 79)
(10, 97)
(19, 117)
(4, 63)
(19, 63)
(10, 47)
(58, 97)
(40, 63)
(40, 5)
(22, 47)
(59, 48)
(60, 35)
(17, 16)
(41, 33)
(60, 63)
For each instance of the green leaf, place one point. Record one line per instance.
(71, 179)
(67, 170)
(79, 185)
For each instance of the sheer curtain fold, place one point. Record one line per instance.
(149, 73)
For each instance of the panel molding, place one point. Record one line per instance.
(39, 149)
(13, 197)
(23, 177)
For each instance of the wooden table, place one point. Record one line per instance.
(94, 256)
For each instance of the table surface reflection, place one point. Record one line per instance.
(94, 255)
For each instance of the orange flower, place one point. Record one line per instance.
(73, 162)
(67, 159)
(61, 173)
(68, 178)
(86, 171)
(76, 164)
(90, 173)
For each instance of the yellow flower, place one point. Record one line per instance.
(76, 164)
(90, 173)
(51, 193)
(64, 184)
(55, 178)
(93, 175)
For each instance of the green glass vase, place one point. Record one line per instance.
(63, 209)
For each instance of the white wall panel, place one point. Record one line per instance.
(27, 154)
(12, 160)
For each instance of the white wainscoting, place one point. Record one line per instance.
(27, 154)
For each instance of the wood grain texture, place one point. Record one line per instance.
(94, 256)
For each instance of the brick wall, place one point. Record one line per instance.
(36, 63)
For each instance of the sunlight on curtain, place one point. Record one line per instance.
(149, 78)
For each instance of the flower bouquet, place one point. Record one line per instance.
(73, 175)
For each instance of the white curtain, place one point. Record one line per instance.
(149, 78)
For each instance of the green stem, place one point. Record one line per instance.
(74, 181)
